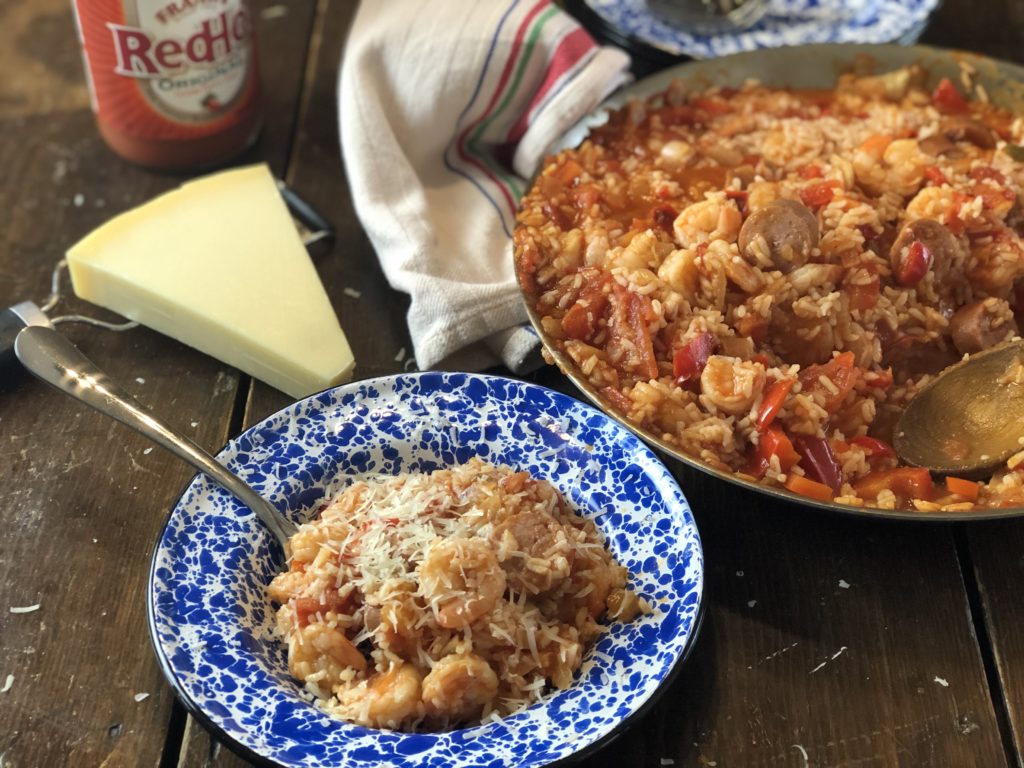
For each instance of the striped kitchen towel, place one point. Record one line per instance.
(446, 108)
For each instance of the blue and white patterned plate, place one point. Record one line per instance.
(211, 622)
(787, 22)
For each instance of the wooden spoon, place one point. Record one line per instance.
(970, 419)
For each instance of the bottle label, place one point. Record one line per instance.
(167, 68)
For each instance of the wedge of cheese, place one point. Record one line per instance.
(219, 265)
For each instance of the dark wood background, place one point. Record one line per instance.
(827, 640)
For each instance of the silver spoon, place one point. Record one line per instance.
(58, 362)
(970, 419)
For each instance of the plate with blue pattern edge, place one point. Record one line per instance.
(786, 22)
(212, 624)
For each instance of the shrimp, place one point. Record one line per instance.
(731, 385)
(676, 153)
(287, 585)
(881, 163)
(394, 696)
(462, 580)
(932, 203)
(399, 616)
(707, 220)
(459, 686)
(318, 648)
(760, 194)
(997, 264)
(534, 550)
(304, 545)
(681, 272)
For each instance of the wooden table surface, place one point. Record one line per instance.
(827, 640)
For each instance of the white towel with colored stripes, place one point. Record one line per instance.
(446, 108)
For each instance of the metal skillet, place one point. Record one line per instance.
(805, 67)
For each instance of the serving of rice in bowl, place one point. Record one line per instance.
(487, 571)
(759, 277)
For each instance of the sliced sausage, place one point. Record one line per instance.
(785, 229)
(942, 245)
(937, 145)
(964, 128)
(981, 324)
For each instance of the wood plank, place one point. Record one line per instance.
(994, 29)
(82, 499)
(995, 550)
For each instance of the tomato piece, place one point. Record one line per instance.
(752, 326)
(569, 172)
(806, 487)
(819, 461)
(772, 402)
(947, 98)
(810, 171)
(969, 489)
(681, 115)
(640, 312)
(840, 370)
(879, 379)
(711, 106)
(914, 265)
(627, 324)
(585, 197)
(986, 172)
(874, 446)
(863, 295)
(740, 196)
(664, 216)
(581, 319)
(819, 194)
(617, 399)
(773, 442)
(906, 482)
(935, 176)
(688, 361)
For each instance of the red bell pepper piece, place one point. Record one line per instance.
(840, 370)
(772, 402)
(906, 482)
(914, 265)
(819, 461)
(874, 446)
(773, 442)
(947, 98)
(688, 362)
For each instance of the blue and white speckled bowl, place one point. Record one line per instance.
(786, 23)
(211, 622)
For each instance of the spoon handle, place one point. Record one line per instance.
(58, 362)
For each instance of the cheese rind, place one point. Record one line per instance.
(219, 265)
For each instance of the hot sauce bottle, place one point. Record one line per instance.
(173, 83)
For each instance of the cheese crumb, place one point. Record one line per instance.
(352, 292)
(274, 12)
(141, 696)
(140, 380)
(147, 451)
(24, 608)
(78, 199)
(7, 684)
(942, 681)
(751, 603)
(844, 584)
